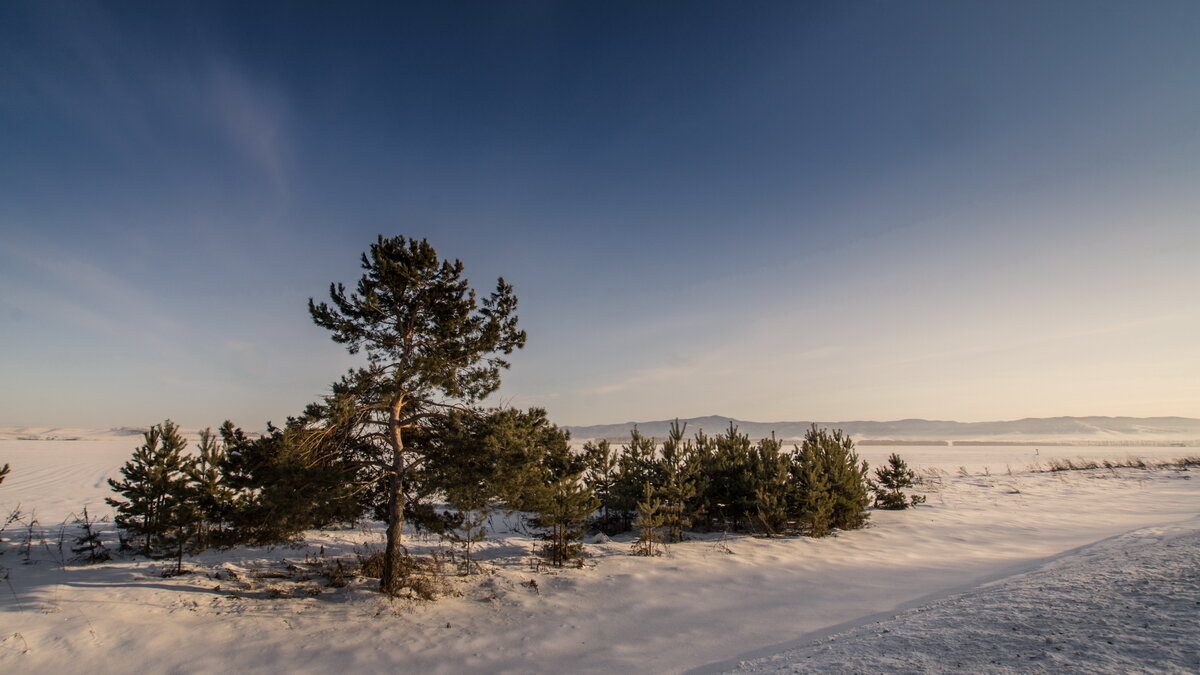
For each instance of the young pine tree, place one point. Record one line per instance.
(155, 491)
(482, 460)
(638, 466)
(815, 501)
(563, 510)
(214, 497)
(832, 453)
(649, 519)
(282, 484)
(774, 490)
(889, 481)
(88, 545)
(678, 485)
(731, 488)
(602, 477)
(699, 468)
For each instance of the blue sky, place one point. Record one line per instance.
(772, 211)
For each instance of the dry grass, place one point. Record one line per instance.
(1082, 464)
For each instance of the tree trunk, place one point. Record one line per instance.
(389, 580)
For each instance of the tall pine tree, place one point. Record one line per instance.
(431, 345)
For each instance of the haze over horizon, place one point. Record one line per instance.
(825, 211)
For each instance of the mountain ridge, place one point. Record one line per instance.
(1065, 428)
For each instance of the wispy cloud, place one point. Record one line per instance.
(253, 115)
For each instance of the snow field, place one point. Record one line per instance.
(713, 600)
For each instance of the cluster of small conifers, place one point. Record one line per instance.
(242, 490)
(727, 482)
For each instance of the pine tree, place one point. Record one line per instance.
(731, 489)
(678, 486)
(283, 483)
(890, 480)
(155, 490)
(602, 477)
(482, 460)
(814, 493)
(773, 487)
(638, 466)
(832, 455)
(214, 498)
(431, 347)
(699, 468)
(563, 510)
(649, 519)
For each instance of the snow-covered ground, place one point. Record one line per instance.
(1127, 604)
(709, 604)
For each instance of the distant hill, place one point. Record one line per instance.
(81, 434)
(1050, 429)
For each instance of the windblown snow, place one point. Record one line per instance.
(1127, 604)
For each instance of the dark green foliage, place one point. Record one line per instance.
(730, 495)
(89, 547)
(484, 460)
(774, 491)
(431, 347)
(729, 482)
(649, 519)
(815, 501)
(678, 484)
(698, 466)
(563, 509)
(832, 482)
(541, 475)
(602, 477)
(638, 466)
(155, 508)
(3, 472)
(213, 496)
(889, 483)
(274, 487)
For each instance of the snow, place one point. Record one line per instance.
(709, 604)
(1128, 604)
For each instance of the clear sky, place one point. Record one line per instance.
(793, 210)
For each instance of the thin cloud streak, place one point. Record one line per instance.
(253, 116)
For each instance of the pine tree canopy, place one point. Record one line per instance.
(421, 323)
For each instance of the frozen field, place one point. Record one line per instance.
(711, 604)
